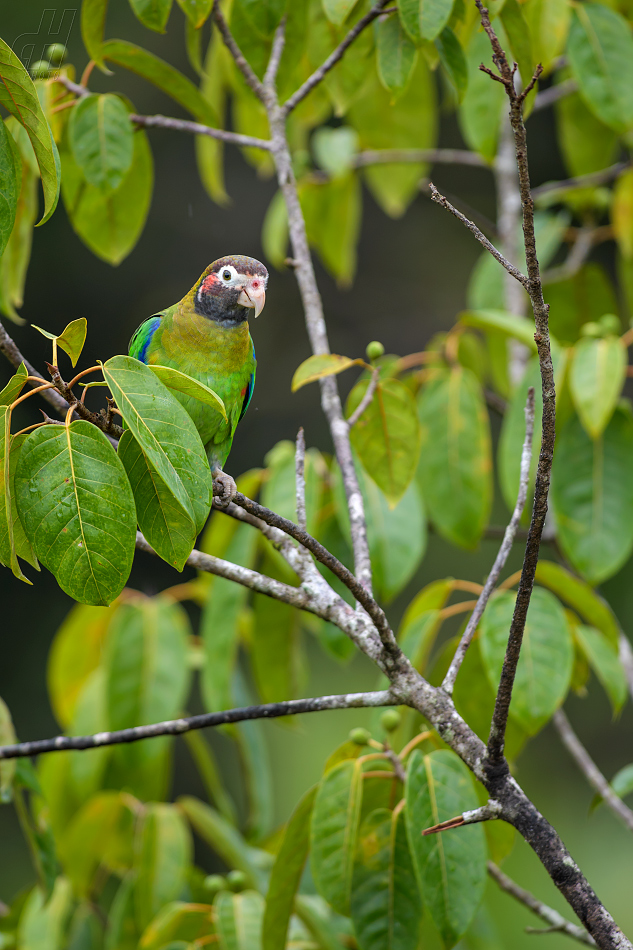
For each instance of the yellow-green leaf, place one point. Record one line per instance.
(181, 383)
(316, 367)
(598, 372)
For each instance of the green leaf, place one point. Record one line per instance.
(333, 832)
(152, 13)
(545, 665)
(622, 213)
(586, 143)
(42, 921)
(238, 920)
(102, 140)
(210, 151)
(178, 922)
(275, 231)
(481, 108)
(7, 766)
(77, 508)
(279, 491)
(10, 179)
(209, 771)
(93, 18)
(99, 834)
(387, 436)
(13, 541)
(580, 596)
(455, 469)
(163, 853)
(386, 906)
(223, 838)
(511, 325)
(335, 149)
(600, 54)
(72, 338)
(317, 367)
(453, 60)
(592, 496)
(110, 223)
(548, 22)
(604, 660)
(583, 298)
(75, 654)
(597, 375)
(451, 866)
(337, 11)
(165, 432)
(17, 253)
(518, 33)
(162, 75)
(147, 680)
(286, 874)
(274, 648)
(332, 212)
(396, 54)
(181, 383)
(621, 783)
(425, 19)
(196, 11)
(19, 96)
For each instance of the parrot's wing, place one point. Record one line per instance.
(143, 337)
(248, 395)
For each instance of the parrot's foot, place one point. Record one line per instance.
(224, 488)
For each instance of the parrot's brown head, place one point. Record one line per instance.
(229, 288)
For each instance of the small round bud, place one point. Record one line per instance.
(360, 736)
(390, 720)
(40, 69)
(610, 324)
(214, 883)
(591, 329)
(374, 350)
(56, 53)
(236, 880)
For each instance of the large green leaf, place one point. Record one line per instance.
(333, 832)
(10, 180)
(453, 60)
(274, 647)
(238, 920)
(100, 834)
(42, 921)
(597, 375)
(332, 212)
(396, 55)
(455, 467)
(93, 18)
(451, 866)
(286, 875)
(165, 432)
(77, 508)
(74, 654)
(547, 655)
(19, 96)
(163, 851)
(481, 108)
(604, 660)
(586, 143)
(181, 383)
(110, 223)
(152, 13)
(548, 22)
(386, 438)
(147, 680)
(592, 495)
(425, 19)
(520, 41)
(580, 596)
(600, 53)
(386, 905)
(210, 151)
(102, 140)
(317, 367)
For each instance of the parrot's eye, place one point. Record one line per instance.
(226, 275)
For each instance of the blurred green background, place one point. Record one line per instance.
(410, 283)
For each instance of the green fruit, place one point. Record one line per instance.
(360, 736)
(610, 324)
(374, 350)
(236, 880)
(56, 53)
(40, 69)
(390, 720)
(214, 883)
(591, 329)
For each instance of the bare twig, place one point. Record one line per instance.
(590, 770)
(74, 87)
(481, 237)
(601, 177)
(549, 96)
(300, 479)
(103, 422)
(504, 550)
(556, 921)
(238, 57)
(319, 74)
(196, 128)
(275, 55)
(366, 400)
(439, 156)
(488, 812)
(175, 727)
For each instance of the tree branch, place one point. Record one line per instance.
(196, 128)
(366, 400)
(441, 156)
(488, 812)
(319, 74)
(590, 770)
(238, 57)
(580, 251)
(555, 920)
(504, 550)
(270, 76)
(549, 96)
(300, 479)
(591, 180)
(175, 727)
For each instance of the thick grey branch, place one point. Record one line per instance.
(196, 128)
(555, 920)
(590, 770)
(504, 550)
(176, 727)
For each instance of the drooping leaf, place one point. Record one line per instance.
(42, 921)
(152, 13)
(621, 783)
(181, 383)
(592, 495)
(316, 367)
(622, 213)
(386, 437)
(275, 232)
(10, 180)
(597, 375)
(600, 53)
(71, 340)
(7, 766)
(579, 595)
(286, 875)
(93, 18)
(520, 41)
(13, 541)
(548, 21)
(453, 60)
(165, 432)
(99, 834)
(77, 508)
(455, 469)
(274, 648)
(334, 149)
(338, 10)
(332, 212)
(604, 660)
(451, 866)
(425, 19)
(238, 920)
(102, 140)
(480, 110)
(163, 853)
(396, 55)
(210, 151)
(333, 832)
(386, 906)
(74, 655)
(178, 922)
(545, 664)
(17, 253)
(586, 143)
(19, 96)
(196, 11)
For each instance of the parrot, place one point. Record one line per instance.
(206, 335)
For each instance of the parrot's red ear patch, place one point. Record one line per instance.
(208, 283)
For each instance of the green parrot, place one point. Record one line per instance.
(206, 336)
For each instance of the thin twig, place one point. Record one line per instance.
(76, 88)
(549, 96)
(96, 418)
(548, 914)
(240, 60)
(196, 128)
(488, 812)
(277, 49)
(481, 237)
(319, 74)
(175, 727)
(440, 156)
(366, 400)
(504, 550)
(591, 180)
(300, 479)
(590, 770)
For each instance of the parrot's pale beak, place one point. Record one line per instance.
(253, 296)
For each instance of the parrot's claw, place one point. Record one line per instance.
(224, 489)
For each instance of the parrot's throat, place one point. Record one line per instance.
(228, 315)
